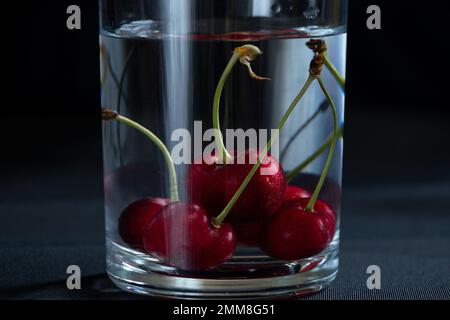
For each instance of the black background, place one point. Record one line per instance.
(397, 115)
(397, 81)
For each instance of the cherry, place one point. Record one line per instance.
(244, 203)
(293, 192)
(295, 233)
(213, 185)
(263, 195)
(304, 227)
(136, 216)
(248, 234)
(204, 183)
(182, 235)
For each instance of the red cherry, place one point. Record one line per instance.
(294, 192)
(294, 233)
(136, 216)
(249, 234)
(182, 236)
(205, 185)
(263, 195)
(331, 191)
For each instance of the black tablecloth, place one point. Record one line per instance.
(404, 230)
(396, 213)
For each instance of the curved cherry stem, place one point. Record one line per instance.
(315, 195)
(216, 115)
(217, 221)
(112, 115)
(340, 79)
(298, 169)
(319, 47)
(244, 54)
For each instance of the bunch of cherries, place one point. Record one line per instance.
(249, 204)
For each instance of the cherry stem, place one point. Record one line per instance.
(244, 54)
(112, 115)
(334, 71)
(320, 48)
(323, 176)
(216, 116)
(217, 221)
(294, 172)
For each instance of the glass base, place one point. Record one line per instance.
(240, 278)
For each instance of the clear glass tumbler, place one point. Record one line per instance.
(220, 182)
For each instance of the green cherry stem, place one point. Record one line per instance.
(217, 221)
(320, 48)
(340, 79)
(216, 116)
(315, 195)
(112, 115)
(294, 172)
(244, 55)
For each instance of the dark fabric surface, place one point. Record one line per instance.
(396, 214)
(406, 234)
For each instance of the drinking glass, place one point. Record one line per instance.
(161, 63)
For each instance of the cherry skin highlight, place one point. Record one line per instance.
(294, 233)
(263, 195)
(293, 192)
(181, 235)
(204, 182)
(134, 218)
